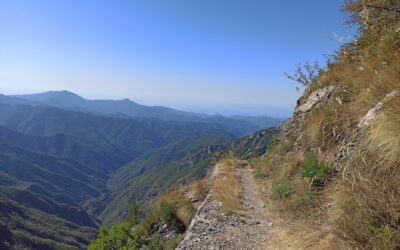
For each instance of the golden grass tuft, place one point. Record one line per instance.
(184, 208)
(368, 201)
(198, 189)
(185, 214)
(226, 187)
(384, 135)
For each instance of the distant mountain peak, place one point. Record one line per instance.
(62, 95)
(127, 100)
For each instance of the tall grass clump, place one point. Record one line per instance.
(282, 189)
(369, 197)
(226, 187)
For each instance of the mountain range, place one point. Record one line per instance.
(78, 163)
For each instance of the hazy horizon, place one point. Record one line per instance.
(211, 57)
(227, 111)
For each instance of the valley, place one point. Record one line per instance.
(82, 169)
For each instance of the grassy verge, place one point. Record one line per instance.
(226, 187)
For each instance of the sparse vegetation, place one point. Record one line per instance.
(306, 74)
(226, 187)
(282, 189)
(303, 201)
(173, 209)
(316, 171)
(325, 163)
(168, 213)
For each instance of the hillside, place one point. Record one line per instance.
(260, 121)
(23, 226)
(81, 170)
(335, 165)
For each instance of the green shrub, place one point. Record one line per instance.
(303, 201)
(282, 189)
(119, 236)
(156, 243)
(260, 173)
(168, 213)
(316, 171)
(386, 238)
(230, 155)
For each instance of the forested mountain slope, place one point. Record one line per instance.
(56, 163)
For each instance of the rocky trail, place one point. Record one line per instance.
(258, 226)
(212, 228)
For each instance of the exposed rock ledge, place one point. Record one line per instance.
(372, 113)
(315, 98)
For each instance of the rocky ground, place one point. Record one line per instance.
(212, 228)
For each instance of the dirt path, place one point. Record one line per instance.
(212, 228)
(259, 226)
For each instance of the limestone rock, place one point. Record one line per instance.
(315, 98)
(372, 113)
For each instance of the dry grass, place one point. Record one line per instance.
(368, 203)
(198, 189)
(384, 136)
(184, 209)
(364, 191)
(226, 187)
(185, 214)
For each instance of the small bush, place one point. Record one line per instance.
(386, 238)
(261, 165)
(119, 236)
(260, 173)
(302, 201)
(318, 172)
(168, 213)
(156, 243)
(230, 155)
(282, 189)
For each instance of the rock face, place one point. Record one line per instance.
(315, 98)
(372, 113)
(293, 126)
(167, 231)
(212, 228)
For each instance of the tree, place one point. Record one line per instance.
(305, 74)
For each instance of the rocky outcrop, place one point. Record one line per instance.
(162, 229)
(314, 99)
(373, 113)
(292, 128)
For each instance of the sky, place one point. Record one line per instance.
(209, 56)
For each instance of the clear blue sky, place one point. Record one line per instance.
(214, 56)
